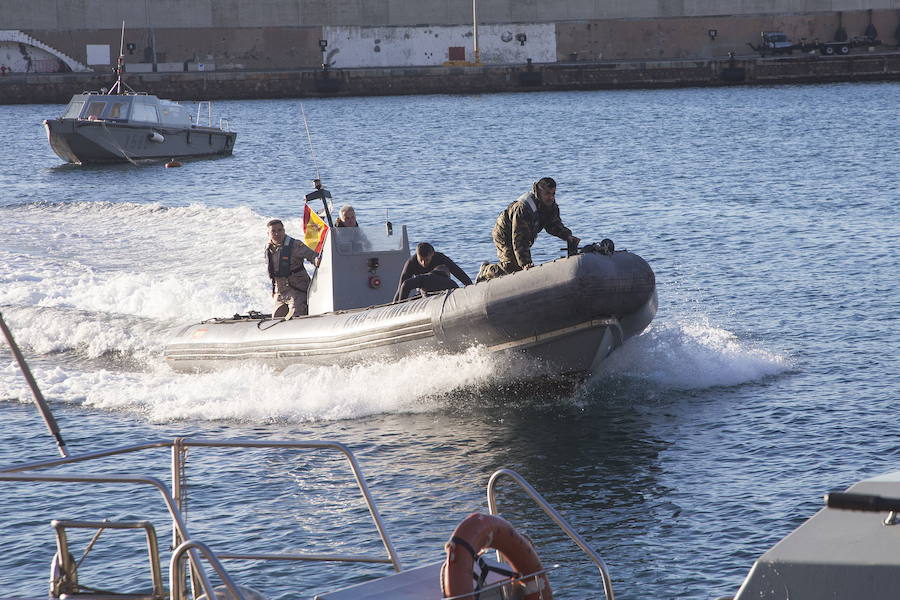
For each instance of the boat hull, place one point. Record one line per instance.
(563, 315)
(82, 141)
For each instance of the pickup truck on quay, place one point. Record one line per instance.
(776, 42)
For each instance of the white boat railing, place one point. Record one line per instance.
(208, 106)
(175, 502)
(555, 516)
(205, 117)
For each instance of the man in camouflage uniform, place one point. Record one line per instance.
(290, 281)
(517, 228)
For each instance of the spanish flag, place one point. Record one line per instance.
(314, 229)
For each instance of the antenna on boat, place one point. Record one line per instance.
(119, 86)
(38, 397)
(312, 150)
(320, 192)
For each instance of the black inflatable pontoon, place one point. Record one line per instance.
(566, 314)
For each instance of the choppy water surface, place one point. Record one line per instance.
(768, 377)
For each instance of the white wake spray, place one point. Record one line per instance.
(692, 354)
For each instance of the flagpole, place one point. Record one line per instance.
(38, 397)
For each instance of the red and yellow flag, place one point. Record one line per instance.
(314, 229)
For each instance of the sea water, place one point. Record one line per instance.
(769, 376)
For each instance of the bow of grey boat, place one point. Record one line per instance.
(846, 551)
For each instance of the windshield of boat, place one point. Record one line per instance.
(117, 110)
(144, 112)
(172, 113)
(95, 109)
(354, 240)
(74, 109)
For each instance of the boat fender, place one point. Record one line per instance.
(479, 532)
(156, 137)
(374, 282)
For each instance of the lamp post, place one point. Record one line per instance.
(151, 34)
(475, 54)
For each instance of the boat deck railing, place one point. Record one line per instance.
(205, 117)
(197, 554)
(186, 548)
(555, 516)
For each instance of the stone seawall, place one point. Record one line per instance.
(58, 88)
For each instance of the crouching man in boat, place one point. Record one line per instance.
(290, 281)
(429, 271)
(517, 228)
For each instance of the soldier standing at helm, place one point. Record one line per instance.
(517, 228)
(290, 281)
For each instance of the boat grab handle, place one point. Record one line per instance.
(555, 516)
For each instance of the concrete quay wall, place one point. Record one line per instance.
(75, 15)
(58, 88)
(281, 34)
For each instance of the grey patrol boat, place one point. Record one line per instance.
(125, 126)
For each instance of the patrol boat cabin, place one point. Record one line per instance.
(108, 128)
(122, 125)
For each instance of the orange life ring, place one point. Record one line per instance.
(479, 532)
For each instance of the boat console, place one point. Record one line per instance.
(359, 267)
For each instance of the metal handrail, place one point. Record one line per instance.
(178, 522)
(555, 516)
(176, 565)
(392, 559)
(208, 106)
(11, 473)
(152, 545)
(83, 457)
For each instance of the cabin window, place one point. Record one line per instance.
(173, 113)
(117, 110)
(357, 240)
(145, 113)
(95, 109)
(73, 110)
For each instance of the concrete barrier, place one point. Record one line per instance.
(58, 88)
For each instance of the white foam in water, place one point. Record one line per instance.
(692, 354)
(250, 393)
(101, 278)
(177, 264)
(103, 282)
(46, 331)
(108, 282)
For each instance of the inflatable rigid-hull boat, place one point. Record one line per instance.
(565, 314)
